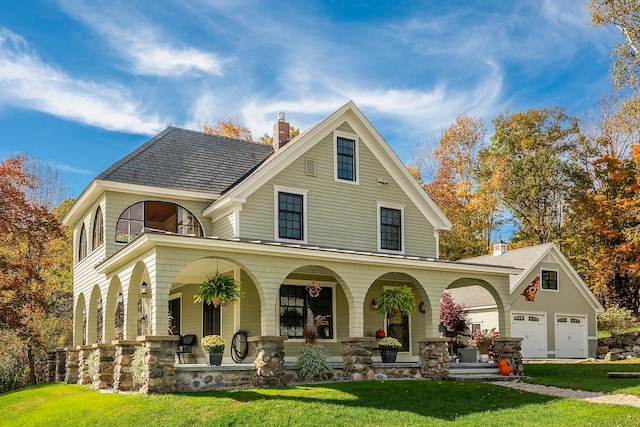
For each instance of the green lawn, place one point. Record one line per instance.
(589, 376)
(388, 403)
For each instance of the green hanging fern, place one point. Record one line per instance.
(398, 299)
(219, 288)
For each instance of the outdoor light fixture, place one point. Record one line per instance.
(374, 304)
(100, 304)
(84, 311)
(143, 288)
(119, 298)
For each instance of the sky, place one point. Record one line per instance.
(83, 83)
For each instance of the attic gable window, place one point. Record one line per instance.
(346, 158)
(549, 280)
(390, 228)
(161, 216)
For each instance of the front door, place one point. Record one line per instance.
(398, 328)
(174, 316)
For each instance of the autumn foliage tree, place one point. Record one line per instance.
(228, 128)
(453, 316)
(26, 231)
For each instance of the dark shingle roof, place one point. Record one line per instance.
(183, 159)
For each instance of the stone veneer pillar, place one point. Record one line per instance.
(508, 348)
(105, 355)
(356, 356)
(61, 365)
(158, 370)
(268, 358)
(51, 366)
(84, 351)
(434, 357)
(122, 379)
(71, 366)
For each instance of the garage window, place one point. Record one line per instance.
(518, 318)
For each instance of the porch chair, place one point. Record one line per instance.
(185, 346)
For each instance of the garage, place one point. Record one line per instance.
(571, 337)
(531, 327)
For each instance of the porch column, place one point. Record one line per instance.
(122, 379)
(434, 357)
(159, 371)
(508, 348)
(268, 358)
(51, 366)
(84, 351)
(105, 355)
(61, 365)
(356, 356)
(71, 366)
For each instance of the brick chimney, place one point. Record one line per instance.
(280, 132)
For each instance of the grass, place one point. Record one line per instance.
(397, 403)
(589, 376)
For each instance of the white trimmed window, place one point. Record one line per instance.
(390, 228)
(346, 157)
(98, 230)
(82, 244)
(549, 280)
(290, 214)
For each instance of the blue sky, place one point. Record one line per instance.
(83, 83)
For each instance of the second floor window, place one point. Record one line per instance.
(290, 216)
(390, 229)
(82, 244)
(162, 216)
(98, 230)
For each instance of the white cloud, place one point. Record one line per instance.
(26, 82)
(142, 44)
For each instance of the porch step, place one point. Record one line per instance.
(476, 372)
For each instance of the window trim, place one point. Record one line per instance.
(557, 289)
(400, 208)
(333, 286)
(356, 157)
(277, 189)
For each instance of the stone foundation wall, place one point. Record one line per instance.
(122, 379)
(104, 366)
(72, 366)
(84, 352)
(158, 371)
(61, 365)
(624, 346)
(202, 378)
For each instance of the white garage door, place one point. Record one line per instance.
(532, 328)
(571, 337)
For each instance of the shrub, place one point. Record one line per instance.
(14, 370)
(313, 362)
(137, 362)
(615, 319)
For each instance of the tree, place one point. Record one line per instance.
(625, 16)
(228, 128)
(456, 189)
(526, 163)
(268, 139)
(26, 229)
(453, 316)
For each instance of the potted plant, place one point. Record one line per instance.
(213, 347)
(482, 339)
(389, 347)
(218, 289)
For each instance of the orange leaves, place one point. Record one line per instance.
(228, 128)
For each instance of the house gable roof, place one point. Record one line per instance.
(351, 114)
(182, 159)
(528, 259)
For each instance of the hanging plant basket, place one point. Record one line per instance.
(219, 289)
(399, 300)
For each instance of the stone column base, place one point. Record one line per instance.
(508, 348)
(268, 358)
(434, 357)
(356, 356)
